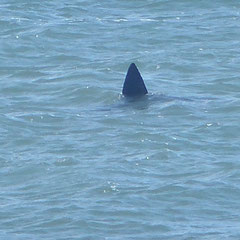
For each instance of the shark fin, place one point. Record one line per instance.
(134, 85)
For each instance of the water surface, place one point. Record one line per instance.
(78, 162)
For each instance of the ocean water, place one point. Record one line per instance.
(77, 161)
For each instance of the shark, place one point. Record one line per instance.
(134, 89)
(135, 94)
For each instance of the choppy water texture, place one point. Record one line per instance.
(78, 162)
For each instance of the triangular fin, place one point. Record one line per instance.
(134, 85)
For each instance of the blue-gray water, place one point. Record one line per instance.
(79, 162)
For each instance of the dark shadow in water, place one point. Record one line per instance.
(138, 103)
(143, 102)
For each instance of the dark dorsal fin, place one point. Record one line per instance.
(133, 85)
